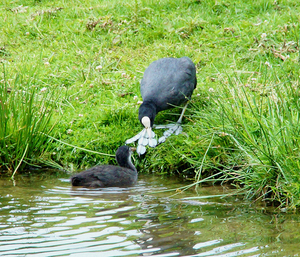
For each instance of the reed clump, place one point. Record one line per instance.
(25, 122)
(250, 138)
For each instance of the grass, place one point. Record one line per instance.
(25, 118)
(242, 123)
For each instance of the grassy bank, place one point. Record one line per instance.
(242, 123)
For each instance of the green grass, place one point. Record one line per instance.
(242, 123)
(25, 118)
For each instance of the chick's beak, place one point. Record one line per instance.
(132, 149)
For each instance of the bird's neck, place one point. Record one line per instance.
(126, 163)
(147, 109)
(130, 164)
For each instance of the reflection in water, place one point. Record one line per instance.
(49, 218)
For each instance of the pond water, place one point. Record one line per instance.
(47, 217)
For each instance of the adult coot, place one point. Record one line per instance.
(167, 82)
(109, 175)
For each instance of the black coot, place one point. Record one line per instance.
(109, 175)
(167, 82)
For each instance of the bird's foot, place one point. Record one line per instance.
(175, 129)
(135, 138)
(143, 140)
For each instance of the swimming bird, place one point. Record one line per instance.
(123, 175)
(166, 83)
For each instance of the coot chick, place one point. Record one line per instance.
(167, 83)
(123, 175)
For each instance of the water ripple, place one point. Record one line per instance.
(60, 220)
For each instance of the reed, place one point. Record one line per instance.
(25, 118)
(256, 128)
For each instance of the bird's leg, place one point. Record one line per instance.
(182, 113)
(175, 129)
(147, 137)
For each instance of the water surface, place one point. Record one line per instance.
(47, 217)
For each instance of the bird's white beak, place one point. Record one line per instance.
(147, 124)
(150, 140)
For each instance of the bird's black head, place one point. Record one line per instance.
(123, 156)
(147, 109)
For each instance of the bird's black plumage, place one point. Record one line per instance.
(166, 83)
(109, 175)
